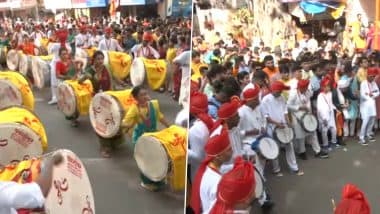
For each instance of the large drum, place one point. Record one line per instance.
(71, 190)
(107, 111)
(259, 190)
(162, 155)
(41, 71)
(266, 147)
(284, 135)
(155, 70)
(119, 63)
(74, 98)
(13, 60)
(21, 135)
(308, 122)
(15, 90)
(25, 64)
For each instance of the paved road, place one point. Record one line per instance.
(324, 180)
(115, 181)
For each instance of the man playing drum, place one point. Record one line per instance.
(144, 49)
(276, 113)
(108, 43)
(298, 104)
(143, 117)
(14, 197)
(218, 151)
(81, 40)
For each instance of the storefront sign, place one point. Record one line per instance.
(60, 4)
(132, 2)
(16, 4)
(89, 3)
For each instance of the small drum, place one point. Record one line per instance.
(162, 154)
(259, 184)
(3, 55)
(25, 64)
(74, 98)
(107, 111)
(309, 122)
(71, 190)
(15, 90)
(82, 55)
(21, 135)
(137, 72)
(12, 60)
(285, 135)
(120, 64)
(268, 148)
(41, 71)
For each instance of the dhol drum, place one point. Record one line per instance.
(13, 60)
(71, 190)
(153, 69)
(3, 55)
(107, 110)
(21, 135)
(25, 64)
(266, 146)
(15, 90)
(259, 184)
(309, 122)
(41, 71)
(284, 135)
(120, 64)
(162, 155)
(74, 98)
(81, 54)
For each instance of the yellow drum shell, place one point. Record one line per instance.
(22, 84)
(120, 64)
(155, 72)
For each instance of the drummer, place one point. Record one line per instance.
(218, 151)
(143, 117)
(15, 198)
(276, 113)
(81, 40)
(108, 43)
(67, 69)
(298, 103)
(144, 49)
(28, 47)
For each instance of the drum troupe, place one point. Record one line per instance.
(88, 73)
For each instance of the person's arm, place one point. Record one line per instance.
(375, 92)
(46, 177)
(118, 47)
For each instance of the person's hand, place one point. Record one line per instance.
(280, 125)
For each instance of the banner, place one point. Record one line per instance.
(132, 2)
(17, 4)
(61, 4)
(88, 3)
(4, 4)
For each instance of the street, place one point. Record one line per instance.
(324, 180)
(115, 181)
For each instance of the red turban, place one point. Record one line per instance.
(251, 93)
(372, 71)
(218, 143)
(325, 82)
(278, 86)
(37, 27)
(235, 187)
(199, 108)
(83, 28)
(353, 201)
(108, 30)
(227, 110)
(147, 37)
(303, 84)
(62, 36)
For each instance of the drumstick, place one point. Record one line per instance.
(333, 204)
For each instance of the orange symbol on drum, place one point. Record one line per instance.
(129, 101)
(158, 67)
(178, 141)
(109, 120)
(29, 122)
(121, 60)
(88, 209)
(3, 142)
(85, 87)
(96, 110)
(61, 187)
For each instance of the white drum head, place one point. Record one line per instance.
(40, 72)
(151, 158)
(259, 185)
(18, 142)
(23, 64)
(268, 148)
(284, 135)
(106, 115)
(310, 123)
(67, 101)
(10, 95)
(12, 60)
(106, 58)
(71, 190)
(137, 72)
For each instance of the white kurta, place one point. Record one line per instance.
(184, 60)
(208, 188)
(295, 101)
(109, 45)
(198, 137)
(250, 120)
(326, 109)
(53, 49)
(15, 196)
(140, 51)
(274, 108)
(368, 103)
(81, 41)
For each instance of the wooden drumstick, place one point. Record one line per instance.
(333, 204)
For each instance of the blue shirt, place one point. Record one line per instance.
(213, 106)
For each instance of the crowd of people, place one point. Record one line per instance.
(245, 91)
